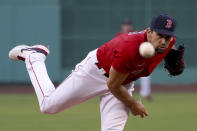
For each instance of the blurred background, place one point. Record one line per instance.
(72, 28)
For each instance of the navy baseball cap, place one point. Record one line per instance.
(163, 24)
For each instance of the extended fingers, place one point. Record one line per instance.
(145, 112)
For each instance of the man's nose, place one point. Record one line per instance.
(163, 40)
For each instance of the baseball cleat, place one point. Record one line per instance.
(21, 51)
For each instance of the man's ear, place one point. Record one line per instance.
(171, 39)
(148, 31)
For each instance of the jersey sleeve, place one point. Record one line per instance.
(124, 56)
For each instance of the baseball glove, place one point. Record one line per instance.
(174, 61)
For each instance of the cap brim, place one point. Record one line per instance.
(164, 32)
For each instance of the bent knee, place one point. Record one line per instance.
(50, 110)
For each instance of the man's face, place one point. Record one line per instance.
(159, 41)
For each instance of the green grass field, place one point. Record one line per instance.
(168, 112)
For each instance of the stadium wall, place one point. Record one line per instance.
(74, 27)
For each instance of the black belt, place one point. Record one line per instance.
(99, 67)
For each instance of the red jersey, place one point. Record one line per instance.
(122, 53)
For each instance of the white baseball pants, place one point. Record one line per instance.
(85, 82)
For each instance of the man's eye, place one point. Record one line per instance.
(168, 37)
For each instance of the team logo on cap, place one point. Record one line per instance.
(169, 24)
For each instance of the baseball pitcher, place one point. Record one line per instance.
(107, 72)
